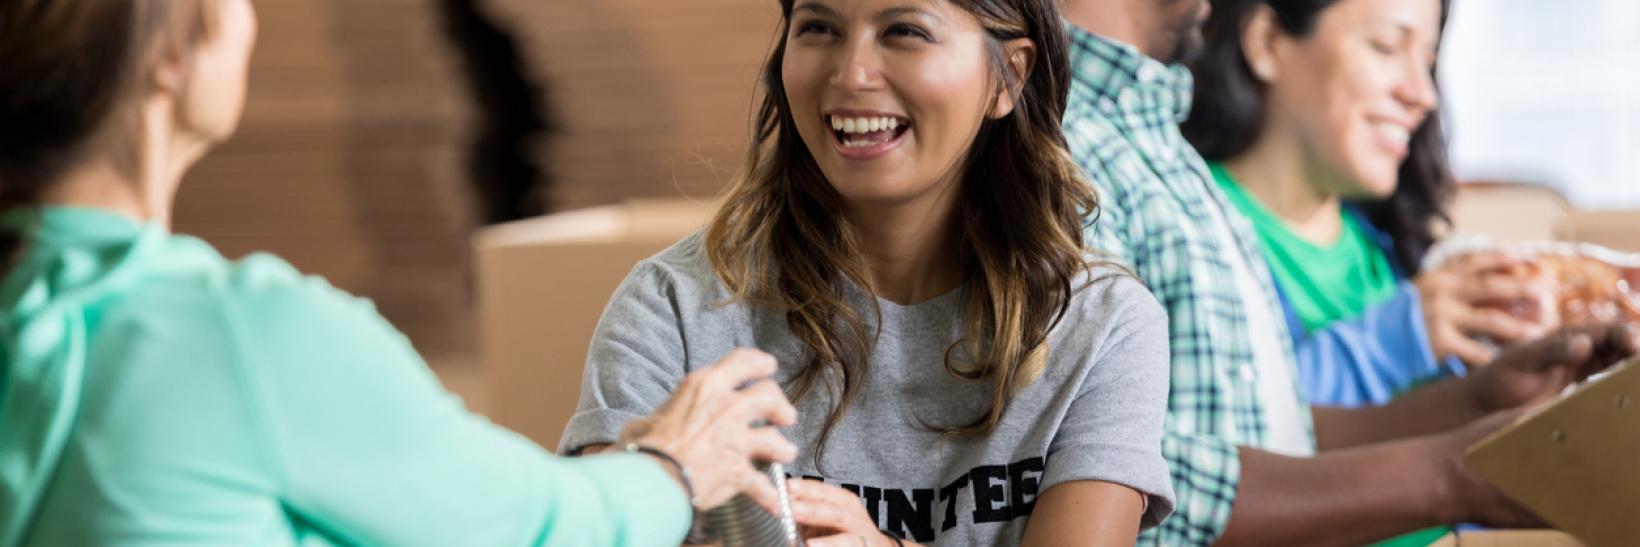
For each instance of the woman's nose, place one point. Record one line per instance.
(859, 68)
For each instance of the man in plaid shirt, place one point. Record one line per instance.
(1240, 439)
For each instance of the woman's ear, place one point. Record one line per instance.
(1261, 43)
(1020, 54)
(169, 75)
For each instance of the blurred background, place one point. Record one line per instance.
(1546, 93)
(381, 136)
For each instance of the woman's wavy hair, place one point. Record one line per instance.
(780, 241)
(70, 73)
(1227, 117)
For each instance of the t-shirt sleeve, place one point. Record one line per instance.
(371, 449)
(1112, 431)
(635, 360)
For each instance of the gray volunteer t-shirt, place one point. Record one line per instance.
(1095, 414)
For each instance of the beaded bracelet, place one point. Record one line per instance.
(683, 473)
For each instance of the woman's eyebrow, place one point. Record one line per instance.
(817, 8)
(897, 11)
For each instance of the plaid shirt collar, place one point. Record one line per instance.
(1117, 77)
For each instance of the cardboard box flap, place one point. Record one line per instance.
(667, 218)
(635, 220)
(542, 286)
(1575, 461)
(1508, 538)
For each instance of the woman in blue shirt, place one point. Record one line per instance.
(1319, 120)
(152, 391)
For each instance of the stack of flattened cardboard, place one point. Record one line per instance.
(647, 98)
(347, 162)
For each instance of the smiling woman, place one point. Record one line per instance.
(906, 237)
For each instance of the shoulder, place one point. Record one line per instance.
(1104, 153)
(264, 298)
(682, 271)
(1108, 289)
(216, 310)
(190, 280)
(1110, 304)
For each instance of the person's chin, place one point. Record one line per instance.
(1189, 46)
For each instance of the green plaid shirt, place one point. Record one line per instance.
(1155, 191)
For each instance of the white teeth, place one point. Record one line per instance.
(864, 125)
(1393, 133)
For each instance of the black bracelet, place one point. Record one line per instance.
(683, 473)
(898, 541)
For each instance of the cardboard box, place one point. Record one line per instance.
(1520, 212)
(1511, 212)
(1574, 461)
(542, 285)
(1619, 230)
(1508, 538)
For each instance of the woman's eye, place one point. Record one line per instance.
(911, 31)
(814, 27)
(1385, 48)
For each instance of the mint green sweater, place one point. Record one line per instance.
(154, 392)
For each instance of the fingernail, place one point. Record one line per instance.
(1579, 343)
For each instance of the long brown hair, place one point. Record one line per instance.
(71, 72)
(780, 241)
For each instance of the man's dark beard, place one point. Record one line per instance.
(1183, 39)
(1187, 44)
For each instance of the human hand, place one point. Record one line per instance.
(1537, 371)
(1467, 300)
(1466, 496)
(708, 426)
(828, 516)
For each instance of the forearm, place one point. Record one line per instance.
(1084, 513)
(1348, 497)
(1431, 409)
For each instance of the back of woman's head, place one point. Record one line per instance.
(781, 241)
(71, 73)
(1229, 111)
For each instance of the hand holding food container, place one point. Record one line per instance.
(710, 432)
(1494, 294)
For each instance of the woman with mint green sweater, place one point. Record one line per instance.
(152, 391)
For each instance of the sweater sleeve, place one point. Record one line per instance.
(370, 449)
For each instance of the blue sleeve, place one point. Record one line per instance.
(1370, 359)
